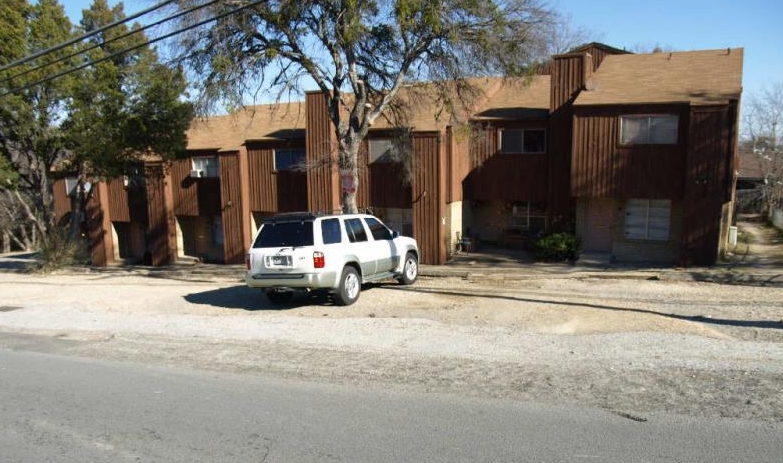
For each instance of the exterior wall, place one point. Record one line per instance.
(709, 178)
(502, 176)
(234, 241)
(620, 248)
(428, 189)
(162, 244)
(323, 185)
(194, 196)
(456, 229)
(601, 167)
(458, 163)
(271, 190)
(99, 225)
(62, 202)
(624, 250)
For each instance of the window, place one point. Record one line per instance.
(285, 234)
(649, 130)
(330, 231)
(647, 219)
(355, 230)
(528, 216)
(206, 166)
(378, 230)
(523, 141)
(289, 158)
(382, 150)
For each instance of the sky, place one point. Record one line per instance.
(673, 25)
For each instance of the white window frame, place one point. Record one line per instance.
(520, 147)
(523, 212)
(667, 133)
(648, 220)
(208, 165)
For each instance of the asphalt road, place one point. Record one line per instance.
(58, 408)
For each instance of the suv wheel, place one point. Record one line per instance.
(410, 272)
(350, 286)
(279, 297)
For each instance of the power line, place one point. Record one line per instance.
(135, 47)
(97, 45)
(84, 36)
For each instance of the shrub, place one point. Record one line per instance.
(60, 251)
(558, 247)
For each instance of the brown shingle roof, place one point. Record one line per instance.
(696, 77)
(261, 122)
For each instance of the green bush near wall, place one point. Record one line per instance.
(558, 247)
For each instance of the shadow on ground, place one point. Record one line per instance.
(244, 298)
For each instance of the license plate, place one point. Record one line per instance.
(281, 261)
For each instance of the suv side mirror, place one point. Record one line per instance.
(395, 234)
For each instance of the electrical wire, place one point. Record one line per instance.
(135, 47)
(114, 39)
(84, 36)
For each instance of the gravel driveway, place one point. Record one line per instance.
(635, 347)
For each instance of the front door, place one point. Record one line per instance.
(599, 220)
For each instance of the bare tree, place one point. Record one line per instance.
(359, 54)
(762, 123)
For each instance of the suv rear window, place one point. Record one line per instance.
(294, 234)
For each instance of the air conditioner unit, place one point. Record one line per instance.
(196, 173)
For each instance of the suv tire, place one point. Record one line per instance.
(410, 271)
(350, 285)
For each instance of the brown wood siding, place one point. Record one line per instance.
(568, 73)
(194, 196)
(507, 177)
(119, 211)
(159, 227)
(263, 183)
(601, 168)
(381, 184)
(231, 201)
(428, 198)
(62, 202)
(708, 181)
(323, 193)
(98, 226)
(457, 162)
(291, 191)
(272, 191)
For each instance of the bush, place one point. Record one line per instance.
(558, 247)
(60, 251)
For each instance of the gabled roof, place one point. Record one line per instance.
(281, 121)
(517, 99)
(593, 45)
(696, 77)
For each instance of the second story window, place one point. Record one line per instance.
(381, 150)
(289, 158)
(523, 141)
(205, 166)
(649, 130)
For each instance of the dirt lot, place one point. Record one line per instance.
(632, 346)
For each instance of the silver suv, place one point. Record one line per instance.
(337, 253)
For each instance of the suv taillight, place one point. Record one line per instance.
(318, 260)
(247, 260)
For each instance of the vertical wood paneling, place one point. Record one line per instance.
(323, 189)
(428, 198)
(62, 202)
(601, 168)
(160, 227)
(263, 182)
(508, 177)
(119, 209)
(231, 205)
(708, 177)
(184, 188)
(568, 72)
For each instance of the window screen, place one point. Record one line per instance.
(288, 158)
(523, 141)
(647, 219)
(649, 130)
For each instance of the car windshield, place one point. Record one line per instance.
(285, 234)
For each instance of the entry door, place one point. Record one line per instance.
(599, 219)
